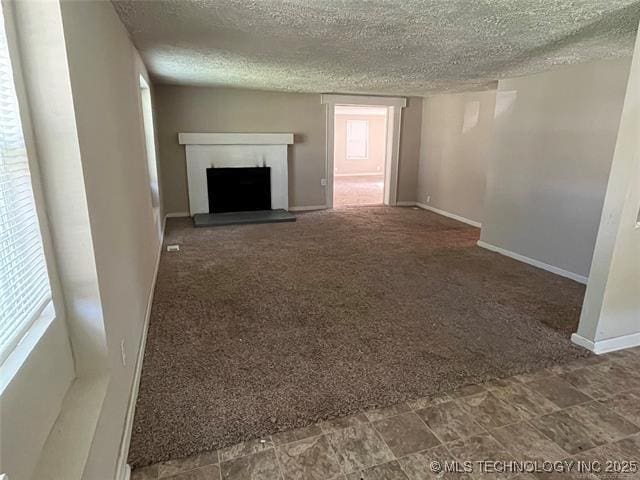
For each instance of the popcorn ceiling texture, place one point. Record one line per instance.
(404, 47)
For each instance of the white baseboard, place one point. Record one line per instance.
(123, 471)
(405, 204)
(126, 473)
(535, 263)
(473, 223)
(307, 208)
(609, 344)
(177, 215)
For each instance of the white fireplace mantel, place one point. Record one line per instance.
(235, 138)
(210, 150)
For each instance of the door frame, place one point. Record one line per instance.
(394, 122)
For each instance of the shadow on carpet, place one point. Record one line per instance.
(263, 328)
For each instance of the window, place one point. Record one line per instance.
(150, 144)
(24, 280)
(357, 139)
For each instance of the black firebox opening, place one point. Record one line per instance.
(239, 189)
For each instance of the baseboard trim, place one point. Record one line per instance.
(123, 471)
(405, 204)
(307, 208)
(533, 262)
(608, 345)
(126, 473)
(444, 213)
(177, 215)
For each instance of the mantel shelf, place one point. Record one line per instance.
(235, 138)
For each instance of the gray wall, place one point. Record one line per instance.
(456, 137)
(202, 109)
(554, 138)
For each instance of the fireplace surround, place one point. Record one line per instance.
(235, 150)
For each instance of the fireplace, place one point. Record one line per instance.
(237, 178)
(239, 189)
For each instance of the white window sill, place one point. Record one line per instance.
(19, 355)
(69, 444)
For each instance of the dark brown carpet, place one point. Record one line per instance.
(262, 328)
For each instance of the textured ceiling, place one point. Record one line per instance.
(375, 46)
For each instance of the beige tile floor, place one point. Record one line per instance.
(582, 412)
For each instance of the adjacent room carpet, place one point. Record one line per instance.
(358, 190)
(261, 328)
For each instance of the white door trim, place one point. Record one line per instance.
(394, 118)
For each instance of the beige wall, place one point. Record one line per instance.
(104, 70)
(456, 137)
(202, 109)
(409, 150)
(552, 149)
(374, 163)
(198, 109)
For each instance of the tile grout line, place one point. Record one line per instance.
(385, 444)
(165, 477)
(571, 455)
(560, 409)
(246, 454)
(335, 457)
(442, 442)
(383, 441)
(323, 434)
(280, 469)
(534, 427)
(219, 465)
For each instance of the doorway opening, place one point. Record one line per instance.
(355, 173)
(359, 155)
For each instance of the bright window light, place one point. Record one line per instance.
(24, 280)
(357, 139)
(150, 144)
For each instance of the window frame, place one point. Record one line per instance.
(352, 156)
(149, 134)
(31, 332)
